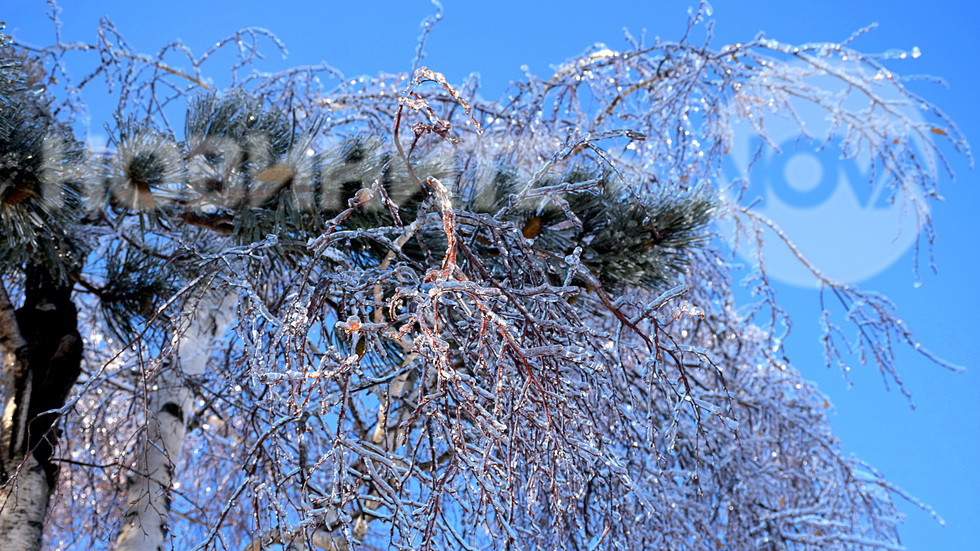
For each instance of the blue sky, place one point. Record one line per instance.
(930, 452)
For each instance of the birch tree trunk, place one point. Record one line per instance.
(41, 359)
(145, 525)
(23, 500)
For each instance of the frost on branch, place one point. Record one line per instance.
(462, 323)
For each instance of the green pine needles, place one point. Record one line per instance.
(245, 171)
(40, 194)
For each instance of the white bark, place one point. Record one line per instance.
(24, 492)
(144, 527)
(23, 506)
(145, 524)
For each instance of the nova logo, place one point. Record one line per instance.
(849, 215)
(804, 177)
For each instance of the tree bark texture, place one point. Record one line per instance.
(145, 526)
(42, 353)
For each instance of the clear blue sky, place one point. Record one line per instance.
(930, 452)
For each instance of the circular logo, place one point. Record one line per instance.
(829, 174)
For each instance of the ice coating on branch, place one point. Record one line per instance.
(464, 322)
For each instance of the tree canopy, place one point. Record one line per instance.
(321, 313)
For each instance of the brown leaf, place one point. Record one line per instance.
(532, 228)
(18, 195)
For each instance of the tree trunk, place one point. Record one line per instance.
(24, 501)
(145, 524)
(42, 354)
